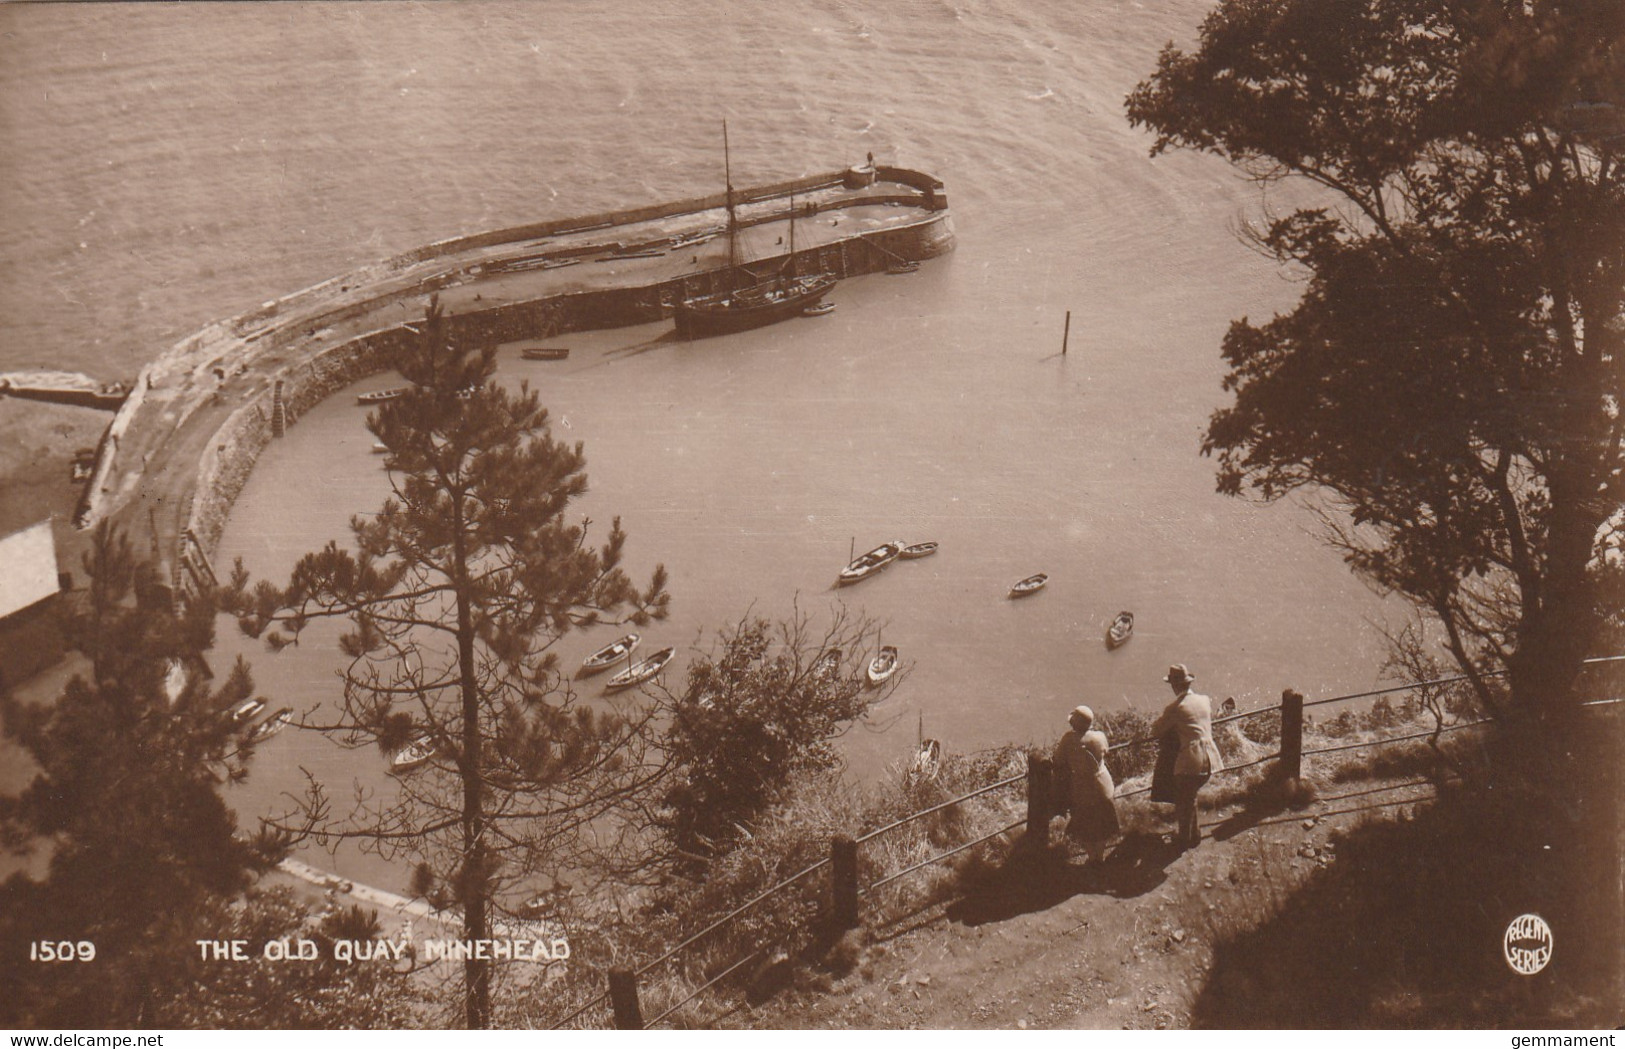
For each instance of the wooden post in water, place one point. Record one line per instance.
(843, 882)
(623, 996)
(1065, 332)
(1291, 734)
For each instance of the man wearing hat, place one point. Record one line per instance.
(1190, 718)
(1080, 765)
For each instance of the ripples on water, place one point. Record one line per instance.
(167, 166)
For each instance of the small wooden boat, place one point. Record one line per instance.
(883, 665)
(828, 663)
(870, 563)
(272, 725)
(414, 755)
(545, 903)
(818, 309)
(610, 654)
(246, 710)
(380, 396)
(84, 464)
(642, 671)
(545, 353)
(380, 448)
(1031, 585)
(1121, 630)
(927, 761)
(918, 550)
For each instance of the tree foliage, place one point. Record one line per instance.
(765, 704)
(144, 855)
(455, 593)
(1452, 377)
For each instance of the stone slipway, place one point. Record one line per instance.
(182, 445)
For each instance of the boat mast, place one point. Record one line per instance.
(733, 220)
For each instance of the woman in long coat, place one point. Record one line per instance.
(1080, 765)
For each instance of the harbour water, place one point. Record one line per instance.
(168, 166)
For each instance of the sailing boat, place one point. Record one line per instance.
(766, 301)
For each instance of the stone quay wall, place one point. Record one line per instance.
(237, 445)
(226, 350)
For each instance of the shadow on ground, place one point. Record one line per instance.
(1406, 927)
(1033, 879)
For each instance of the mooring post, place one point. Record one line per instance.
(1066, 332)
(623, 995)
(843, 882)
(1291, 734)
(1040, 796)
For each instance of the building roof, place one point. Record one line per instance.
(28, 572)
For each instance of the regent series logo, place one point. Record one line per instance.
(1527, 944)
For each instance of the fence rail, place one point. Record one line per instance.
(888, 828)
(939, 857)
(844, 893)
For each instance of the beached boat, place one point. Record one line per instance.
(884, 665)
(610, 654)
(918, 550)
(740, 309)
(380, 396)
(272, 725)
(870, 563)
(818, 309)
(83, 466)
(1031, 585)
(642, 671)
(1121, 630)
(545, 353)
(765, 300)
(414, 755)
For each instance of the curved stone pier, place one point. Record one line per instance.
(184, 442)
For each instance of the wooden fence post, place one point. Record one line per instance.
(623, 995)
(843, 882)
(1291, 734)
(1040, 796)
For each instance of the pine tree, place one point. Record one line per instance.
(125, 803)
(455, 593)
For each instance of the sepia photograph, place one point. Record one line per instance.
(706, 515)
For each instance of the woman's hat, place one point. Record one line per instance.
(1178, 673)
(1082, 712)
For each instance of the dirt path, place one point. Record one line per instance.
(1057, 945)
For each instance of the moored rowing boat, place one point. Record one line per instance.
(610, 654)
(638, 673)
(1031, 585)
(867, 565)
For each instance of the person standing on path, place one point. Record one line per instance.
(1190, 718)
(1080, 761)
